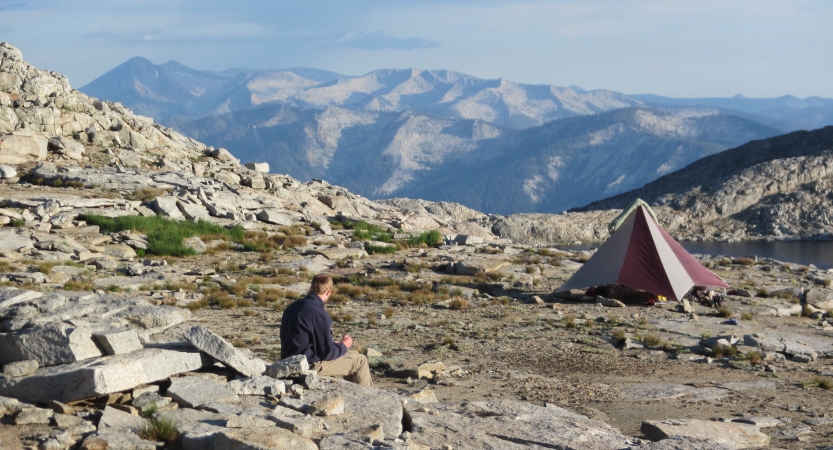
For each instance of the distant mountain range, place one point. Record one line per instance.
(549, 168)
(787, 113)
(173, 90)
(493, 145)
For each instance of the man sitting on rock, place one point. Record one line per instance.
(306, 330)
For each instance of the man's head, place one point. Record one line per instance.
(322, 286)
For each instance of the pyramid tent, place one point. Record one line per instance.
(641, 255)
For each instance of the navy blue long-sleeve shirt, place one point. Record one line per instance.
(305, 330)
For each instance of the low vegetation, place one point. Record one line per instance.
(164, 235)
(160, 430)
(431, 238)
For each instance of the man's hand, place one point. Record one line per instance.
(347, 341)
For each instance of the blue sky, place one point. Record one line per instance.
(680, 48)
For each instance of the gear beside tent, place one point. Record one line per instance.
(641, 255)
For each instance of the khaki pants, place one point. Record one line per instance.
(352, 366)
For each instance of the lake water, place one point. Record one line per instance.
(819, 253)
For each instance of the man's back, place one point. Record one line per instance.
(305, 330)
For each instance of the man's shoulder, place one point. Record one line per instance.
(304, 305)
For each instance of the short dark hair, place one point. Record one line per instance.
(321, 283)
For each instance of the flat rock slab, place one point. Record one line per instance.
(335, 254)
(191, 392)
(57, 343)
(101, 376)
(120, 342)
(116, 439)
(11, 241)
(256, 439)
(116, 419)
(474, 265)
(731, 434)
(220, 349)
(510, 425)
(12, 296)
(364, 406)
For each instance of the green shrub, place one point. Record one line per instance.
(164, 235)
(746, 316)
(17, 223)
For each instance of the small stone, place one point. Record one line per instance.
(310, 380)
(258, 167)
(301, 425)
(150, 401)
(20, 369)
(119, 343)
(296, 389)
(373, 434)
(329, 405)
(66, 420)
(258, 385)
(32, 416)
(60, 408)
(288, 367)
(609, 302)
(372, 353)
(424, 396)
(802, 358)
(195, 243)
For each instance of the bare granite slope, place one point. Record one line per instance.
(772, 188)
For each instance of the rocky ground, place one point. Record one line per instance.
(100, 335)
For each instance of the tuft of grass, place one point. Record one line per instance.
(620, 335)
(823, 382)
(17, 223)
(745, 261)
(458, 303)
(160, 430)
(449, 341)
(82, 284)
(570, 322)
(746, 315)
(164, 235)
(754, 358)
(388, 312)
(652, 340)
(380, 249)
(46, 267)
(763, 293)
(363, 231)
(724, 312)
(720, 351)
(431, 238)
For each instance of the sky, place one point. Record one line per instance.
(677, 48)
